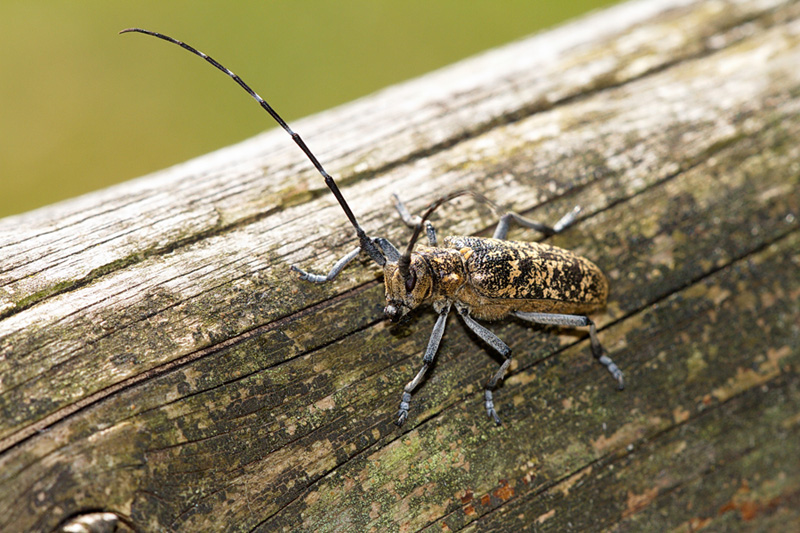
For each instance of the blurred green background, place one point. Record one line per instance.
(82, 107)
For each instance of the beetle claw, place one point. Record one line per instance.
(402, 415)
(490, 407)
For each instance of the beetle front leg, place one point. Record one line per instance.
(578, 321)
(495, 342)
(337, 267)
(430, 354)
(412, 220)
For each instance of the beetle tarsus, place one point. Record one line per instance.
(402, 415)
(489, 401)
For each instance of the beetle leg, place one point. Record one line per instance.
(502, 348)
(337, 267)
(578, 321)
(563, 223)
(430, 354)
(412, 220)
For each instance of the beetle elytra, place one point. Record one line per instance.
(484, 278)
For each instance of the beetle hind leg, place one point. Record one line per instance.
(578, 321)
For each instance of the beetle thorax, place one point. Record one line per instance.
(435, 274)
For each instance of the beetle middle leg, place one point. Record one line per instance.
(502, 348)
(563, 223)
(578, 321)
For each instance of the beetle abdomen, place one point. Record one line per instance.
(551, 279)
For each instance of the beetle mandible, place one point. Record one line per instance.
(484, 278)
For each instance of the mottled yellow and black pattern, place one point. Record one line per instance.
(507, 276)
(530, 271)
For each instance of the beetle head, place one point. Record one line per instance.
(406, 292)
(408, 278)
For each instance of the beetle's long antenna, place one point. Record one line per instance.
(366, 243)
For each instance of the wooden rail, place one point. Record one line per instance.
(160, 363)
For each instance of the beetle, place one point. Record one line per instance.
(483, 278)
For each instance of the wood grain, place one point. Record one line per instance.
(158, 360)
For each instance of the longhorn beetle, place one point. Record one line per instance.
(485, 278)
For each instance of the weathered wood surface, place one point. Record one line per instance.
(158, 361)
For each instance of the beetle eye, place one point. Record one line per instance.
(411, 280)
